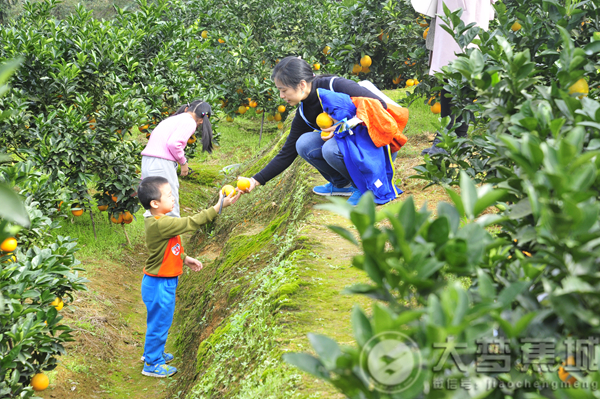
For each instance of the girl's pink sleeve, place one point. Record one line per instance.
(178, 140)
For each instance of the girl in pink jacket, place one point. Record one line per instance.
(165, 148)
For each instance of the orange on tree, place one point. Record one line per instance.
(580, 87)
(102, 208)
(410, 82)
(229, 119)
(116, 220)
(59, 205)
(324, 120)
(228, 189)
(280, 126)
(40, 381)
(9, 244)
(425, 33)
(430, 100)
(127, 216)
(12, 257)
(396, 80)
(365, 61)
(221, 41)
(326, 50)
(192, 139)
(564, 375)
(277, 116)
(258, 111)
(317, 66)
(516, 26)
(356, 68)
(423, 24)
(436, 108)
(253, 104)
(365, 70)
(242, 109)
(281, 109)
(204, 34)
(77, 211)
(58, 303)
(243, 183)
(270, 117)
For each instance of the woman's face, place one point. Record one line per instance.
(291, 95)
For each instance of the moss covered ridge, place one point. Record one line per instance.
(227, 330)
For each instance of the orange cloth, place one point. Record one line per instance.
(385, 126)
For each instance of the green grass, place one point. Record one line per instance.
(110, 241)
(420, 118)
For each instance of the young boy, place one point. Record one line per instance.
(165, 265)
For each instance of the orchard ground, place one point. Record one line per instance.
(109, 319)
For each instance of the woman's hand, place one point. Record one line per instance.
(185, 169)
(253, 184)
(193, 264)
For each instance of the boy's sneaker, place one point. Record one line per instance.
(167, 356)
(355, 197)
(159, 371)
(329, 189)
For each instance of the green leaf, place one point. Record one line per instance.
(508, 294)
(486, 286)
(438, 231)
(327, 349)
(361, 326)
(307, 363)
(12, 208)
(523, 323)
(488, 200)
(347, 234)
(468, 194)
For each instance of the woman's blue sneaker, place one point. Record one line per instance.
(159, 371)
(355, 197)
(167, 356)
(329, 189)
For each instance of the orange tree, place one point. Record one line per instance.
(36, 270)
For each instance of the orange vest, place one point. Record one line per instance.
(172, 264)
(384, 127)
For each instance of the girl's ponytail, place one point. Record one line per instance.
(203, 111)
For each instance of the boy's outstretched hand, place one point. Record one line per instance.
(193, 264)
(229, 200)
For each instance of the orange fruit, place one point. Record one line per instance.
(516, 26)
(396, 80)
(564, 375)
(423, 24)
(192, 139)
(356, 68)
(229, 119)
(228, 189)
(243, 183)
(410, 82)
(253, 104)
(127, 216)
(280, 126)
(114, 198)
(242, 109)
(324, 135)
(326, 50)
(221, 41)
(116, 220)
(436, 108)
(77, 211)
(270, 118)
(102, 208)
(580, 87)
(366, 61)
(277, 116)
(317, 66)
(9, 245)
(258, 111)
(59, 205)
(58, 303)
(40, 381)
(281, 109)
(324, 120)
(204, 34)
(425, 33)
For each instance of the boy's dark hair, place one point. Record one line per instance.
(203, 111)
(291, 70)
(149, 190)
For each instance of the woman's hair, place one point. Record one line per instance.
(292, 70)
(203, 111)
(149, 190)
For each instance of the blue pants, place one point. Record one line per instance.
(326, 157)
(158, 294)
